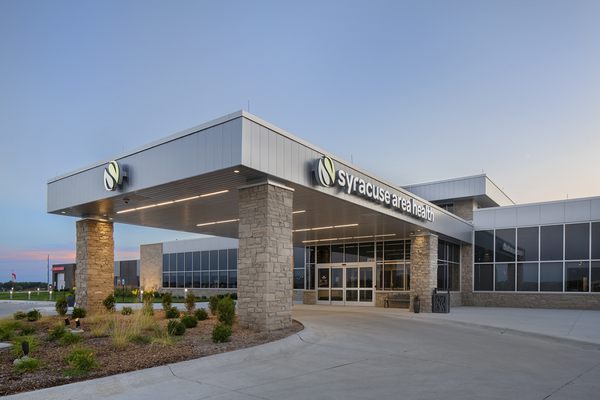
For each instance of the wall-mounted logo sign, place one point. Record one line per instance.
(326, 175)
(113, 176)
(325, 171)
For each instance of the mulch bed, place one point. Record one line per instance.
(195, 343)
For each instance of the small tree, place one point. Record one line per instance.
(167, 301)
(226, 311)
(61, 306)
(213, 301)
(190, 302)
(109, 302)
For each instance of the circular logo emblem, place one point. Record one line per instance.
(325, 171)
(112, 176)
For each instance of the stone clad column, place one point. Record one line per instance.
(466, 274)
(151, 266)
(265, 273)
(423, 269)
(94, 275)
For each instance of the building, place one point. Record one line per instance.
(126, 273)
(307, 219)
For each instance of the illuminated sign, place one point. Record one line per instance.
(113, 176)
(326, 175)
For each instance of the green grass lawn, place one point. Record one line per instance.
(44, 296)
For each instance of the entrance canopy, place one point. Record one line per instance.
(189, 182)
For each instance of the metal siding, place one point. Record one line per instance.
(595, 209)
(506, 217)
(528, 215)
(300, 173)
(578, 211)
(552, 213)
(184, 157)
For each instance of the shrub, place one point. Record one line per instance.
(17, 349)
(175, 328)
(172, 312)
(213, 301)
(221, 333)
(190, 302)
(81, 361)
(109, 302)
(8, 328)
(61, 306)
(27, 330)
(127, 310)
(189, 321)
(56, 332)
(140, 339)
(148, 307)
(69, 338)
(167, 301)
(28, 364)
(233, 296)
(201, 314)
(20, 315)
(79, 312)
(226, 311)
(34, 315)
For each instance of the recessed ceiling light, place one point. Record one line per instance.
(236, 171)
(298, 212)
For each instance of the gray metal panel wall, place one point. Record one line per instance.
(471, 186)
(288, 158)
(555, 212)
(200, 244)
(211, 149)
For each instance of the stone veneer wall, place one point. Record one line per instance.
(265, 271)
(95, 263)
(466, 274)
(151, 266)
(423, 273)
(579, 301)
(464, 208)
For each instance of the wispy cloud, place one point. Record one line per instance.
(58, 255)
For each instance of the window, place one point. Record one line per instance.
(298, 278)
(351, 253)
(366, 252)
(551, 243)
(527, 277)
(577, 276)
(551, 277)
(596, 240)
(323, 255)
(196, 261)
(505, 277)
(180, 262)
(232, 279)
(484, 277)
(223, 261)
(166, 263)
(393, 251)
(595, 283)
(205, 264)
(188, 261)
(527, 244)
(448, 272)
(232, 259)
(393, 276)
(577, 241)
(337, 253)
(505, 245)
(484, 246)
(214, 259)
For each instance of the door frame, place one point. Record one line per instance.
(344, 267)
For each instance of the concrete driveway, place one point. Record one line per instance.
(367, 354)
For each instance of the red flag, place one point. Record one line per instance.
(14, 276)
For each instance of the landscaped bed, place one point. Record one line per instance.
(112, 343)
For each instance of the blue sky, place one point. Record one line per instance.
(410, 90)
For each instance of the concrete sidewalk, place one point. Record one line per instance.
(575, 325)
(364, 353)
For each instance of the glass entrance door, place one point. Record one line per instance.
(345, 284)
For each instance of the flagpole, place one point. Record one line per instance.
(48, 272)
